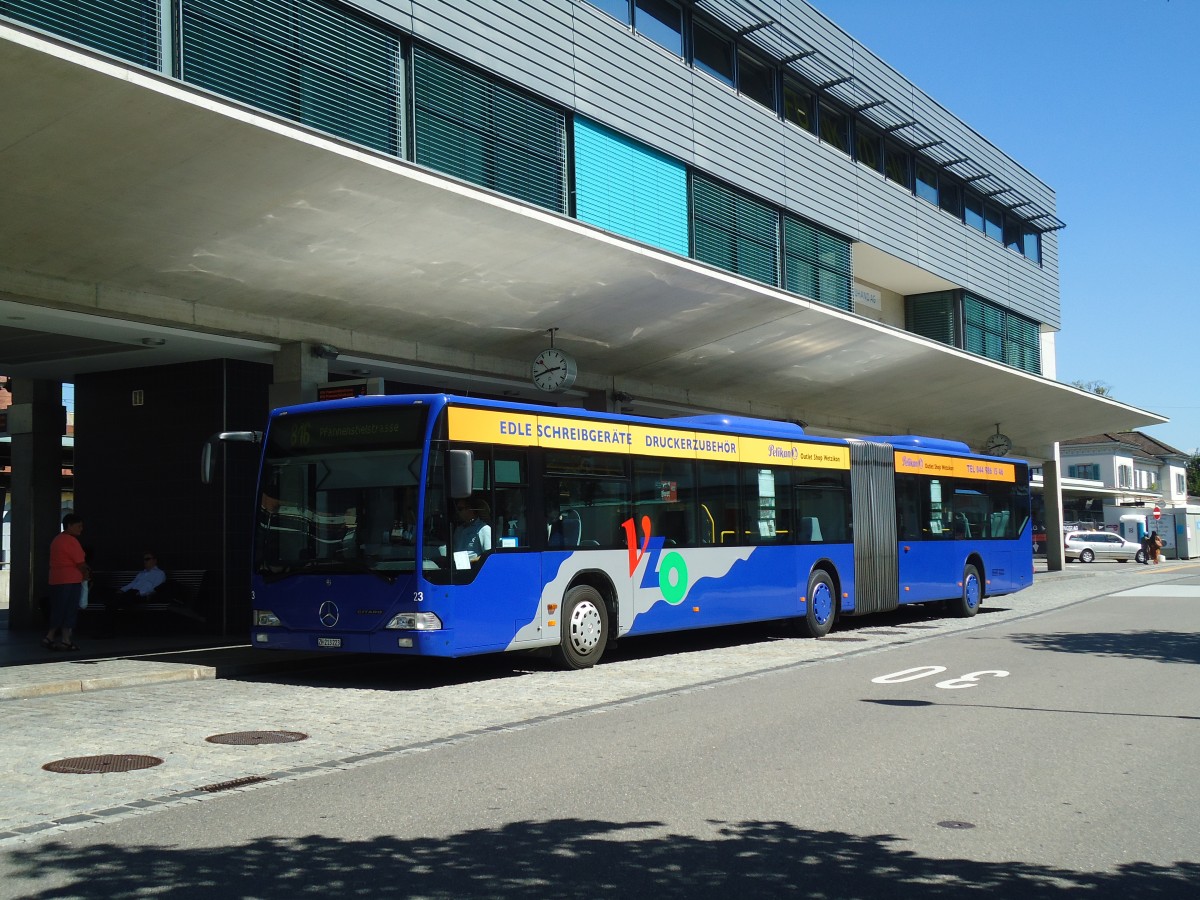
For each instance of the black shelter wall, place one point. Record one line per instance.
(138, 438)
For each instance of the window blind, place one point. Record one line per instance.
(128, 29)
(816, 263)
(307, 60)
(734, 232)
(472, 127)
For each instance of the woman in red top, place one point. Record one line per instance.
(68, 571)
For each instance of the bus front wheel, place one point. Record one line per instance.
(820, 605)
(972, 594)
(584, 628)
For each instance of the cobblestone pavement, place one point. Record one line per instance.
(352, 718)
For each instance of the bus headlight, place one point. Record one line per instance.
(416, 621)
(264, 618)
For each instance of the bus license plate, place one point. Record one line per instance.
(329, 642)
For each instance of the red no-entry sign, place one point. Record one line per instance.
(1157, 513)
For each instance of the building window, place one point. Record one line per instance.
(661, 22)
(1031, 244)
(978, 326)
(993, 223)
(712, 53)
(950, 197)
(733, 232)
(306, 60)
(797, 104)
(896, 165)
(816, 263)
(1124, 476)
(835, 127)
(933, 316)
(1089, 471)
(927, 183)
(618, 9)
(1012, 234)
(868, 148)
(1180, 485)
(756, 79)
(974, 211)
(994, 332)
(473, 127)
(627, 188)
(127, 29)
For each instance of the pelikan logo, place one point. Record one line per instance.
(328, 614)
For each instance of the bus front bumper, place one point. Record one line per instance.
(407, 643)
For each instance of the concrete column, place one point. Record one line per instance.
(299, 368)
(1052, 495)
(36, 423)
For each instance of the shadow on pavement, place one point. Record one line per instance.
(571, 858)
(1162, 646)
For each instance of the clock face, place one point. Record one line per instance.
(553, 370)
(997, 444)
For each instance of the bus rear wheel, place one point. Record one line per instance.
(584, 628)
(972, 593)
(820, 605)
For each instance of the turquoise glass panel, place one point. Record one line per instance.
(629, 189)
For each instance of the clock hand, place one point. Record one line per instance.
(548, 371)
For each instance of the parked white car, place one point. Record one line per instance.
(1088, 546)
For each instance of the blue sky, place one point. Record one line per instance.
(1098, 98)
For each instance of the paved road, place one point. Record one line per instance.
(685, 696)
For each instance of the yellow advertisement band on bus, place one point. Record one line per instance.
(486, 426)
(952, 466)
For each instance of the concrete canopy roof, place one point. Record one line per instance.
(140, 208)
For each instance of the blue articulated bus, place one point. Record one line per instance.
(448, 526)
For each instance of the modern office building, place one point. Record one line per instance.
(213, 205)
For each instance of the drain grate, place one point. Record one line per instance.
(253, 738)
(235, 783)
(100, 765)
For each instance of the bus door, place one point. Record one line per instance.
(931, 535)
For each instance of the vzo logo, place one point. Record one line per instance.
(670, 572)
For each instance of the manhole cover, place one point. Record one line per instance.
(257, 737)
(99, 765)
(955, 824)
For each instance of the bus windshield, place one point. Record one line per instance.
(339, 492)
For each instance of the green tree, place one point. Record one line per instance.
(1193, 474)
(1096, 387)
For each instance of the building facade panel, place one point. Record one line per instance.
(628, 84)
(527, 43)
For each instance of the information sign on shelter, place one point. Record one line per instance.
(340, 390)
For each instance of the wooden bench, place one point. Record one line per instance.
(182, 593)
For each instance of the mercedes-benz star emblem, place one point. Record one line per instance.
(328, 614)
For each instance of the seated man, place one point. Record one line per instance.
(140, 589)
(147, 581)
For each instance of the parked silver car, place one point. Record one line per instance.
(1087, 546)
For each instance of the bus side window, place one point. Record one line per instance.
(510, 477)
(719, 508)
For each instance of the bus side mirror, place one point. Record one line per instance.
(206, 453)
(461, 464)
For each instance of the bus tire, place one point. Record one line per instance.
(584, 628)
(820, 605)
(972, 594)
